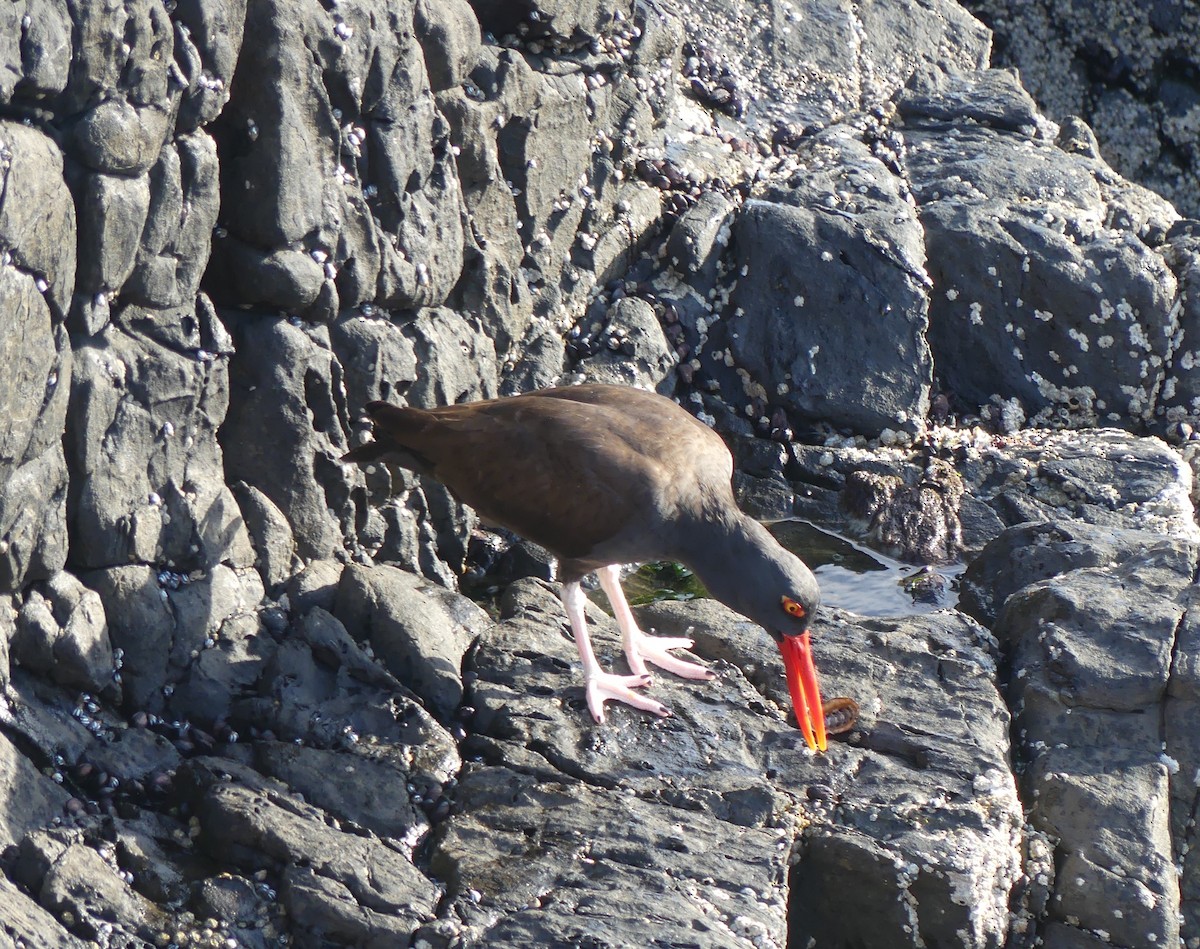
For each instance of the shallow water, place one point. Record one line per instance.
(852, 576)
(855, 577)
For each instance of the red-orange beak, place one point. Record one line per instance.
(802, 684)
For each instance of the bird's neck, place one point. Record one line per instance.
(723, 551)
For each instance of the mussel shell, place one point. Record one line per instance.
(841, 715)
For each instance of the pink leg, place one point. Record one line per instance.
(601, 686)
(640, 648)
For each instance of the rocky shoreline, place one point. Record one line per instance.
(242, 702)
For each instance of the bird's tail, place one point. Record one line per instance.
(393, 426)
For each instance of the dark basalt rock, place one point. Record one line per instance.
(239, 697)
(917, 523)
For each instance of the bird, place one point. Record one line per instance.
(606, 475)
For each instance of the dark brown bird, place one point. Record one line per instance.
(606, 475)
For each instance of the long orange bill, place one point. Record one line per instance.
(802, 684)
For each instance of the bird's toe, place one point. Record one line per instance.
(606, 687)
(657, 651)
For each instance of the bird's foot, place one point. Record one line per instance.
(657, 650)
(604, 686)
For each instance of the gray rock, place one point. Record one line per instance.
(1036, 298)
(419, 631)
(287, 421)
(633, 773)
(378, 358)
(281, 132)
(493, 286)
(239, 902)
(917, 523)
(34, 391)
(450, 40)
(177, 239)
(225, 666)
(1183, 749)
(97, 72)
(700, 236)
(333, 646)
(1104, 477)
(422, 199)
(206, 54)
(1094, 618)
(320, 688)
(142, 625)
(803, 252)
(1094, 649)
(1031, 552)
(61, 631)
(33, 471)
(152, 489)
(993, 97)
(27, 924)
(315, 586)
(37, 214)
(456, 360)
(36, 52)
(245, 818)
(364, 787)
(903, 733)
(1178, 401)
(1100, 637)
(280, 278)
(116, 137)
(41, 718)
(270, 533)
(324, 909)
(827, 61)
(372, 221)
(81, 886)
(37, 797)
(1109, 65)
(564, 19)
(541, 365)
(632, 349)
(162, 621)
(439, 359)
(138, 754)
(145, 845)
(518, 848)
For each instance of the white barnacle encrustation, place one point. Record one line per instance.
(1138, 337)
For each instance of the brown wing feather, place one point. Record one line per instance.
(570, 468)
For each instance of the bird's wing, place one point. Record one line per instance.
(555, 474)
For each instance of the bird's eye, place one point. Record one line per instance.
(792, 608)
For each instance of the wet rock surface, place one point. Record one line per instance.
(242, 701)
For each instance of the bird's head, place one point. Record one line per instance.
(791, 635)
(752, 573)
(796, 598)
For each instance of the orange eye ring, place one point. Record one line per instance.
(792, 608)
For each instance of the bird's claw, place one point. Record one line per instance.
(657, 650)
(605, 686)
